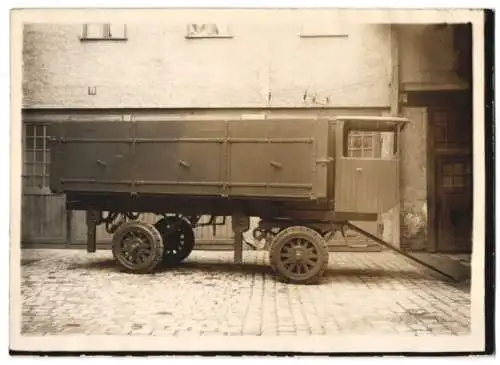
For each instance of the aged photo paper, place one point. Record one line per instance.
(293, 180)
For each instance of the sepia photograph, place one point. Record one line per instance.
(306, 180)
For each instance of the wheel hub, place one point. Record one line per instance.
(299, 254)
(138, 246)
(299, 257)
(133, 245)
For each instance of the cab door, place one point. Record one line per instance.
(366, 183)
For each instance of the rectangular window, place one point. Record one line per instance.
(456, 174)
(207, 30)
(36, 159)
(323, 29)
(107, 31)
(452, 129)
(363, 144)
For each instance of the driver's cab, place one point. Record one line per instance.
(367, 183)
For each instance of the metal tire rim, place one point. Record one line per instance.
(179, 242)
(299, 258)
(136, 247)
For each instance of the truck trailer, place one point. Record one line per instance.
(294, 174)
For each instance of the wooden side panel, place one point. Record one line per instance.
(365, 185)
(183, 157)
(92, 156)
(266, 158)
(277, 158)
(223, 235)
(43, 218)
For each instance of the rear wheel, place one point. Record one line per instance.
(178, 239)
(138, 247)
(298, 254)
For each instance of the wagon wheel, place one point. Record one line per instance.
(299, 254)
(179, 243)
(138, 247)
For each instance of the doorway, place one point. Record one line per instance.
(450, 140)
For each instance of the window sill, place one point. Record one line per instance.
(321, 35)
(92, 39)
(31, 191)
(209, 37)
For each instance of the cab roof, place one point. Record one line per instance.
(362, 122)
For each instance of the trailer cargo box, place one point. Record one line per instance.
(256, 159)
(296, 175)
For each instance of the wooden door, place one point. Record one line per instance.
(365, 183)
(453, 178)
(360, 145)
(43, 219)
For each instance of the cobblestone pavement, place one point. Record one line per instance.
(70, 291)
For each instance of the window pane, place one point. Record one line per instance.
(29, 156)
(38, 169)
(30, 181)
(41, 143)
(368, 153)
(27, 170)
(117, 30)
(448, 169)
(368, 141)
(30, 143)
(94, 30)
(30, 130)
(38, 181)
(459, 181)
(447, 181)
(440, 118)
(39, 155)
(356, 153)
(458, 169)
(440, 134)
(40, 129)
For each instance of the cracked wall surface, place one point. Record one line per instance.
(265, 63)
(413, 214)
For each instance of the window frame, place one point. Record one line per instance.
(105, 32)
(35, 174)
(377, 136)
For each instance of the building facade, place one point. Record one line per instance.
(277, 63)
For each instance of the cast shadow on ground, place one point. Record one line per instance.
(27, 261)
(333, 274)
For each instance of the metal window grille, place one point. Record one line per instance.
(36, 158)
(363, 144)
(456, 174)
(446, 136)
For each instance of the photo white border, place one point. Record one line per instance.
(474, 342)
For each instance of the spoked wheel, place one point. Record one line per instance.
(299, 255)
(178, 238)
(138, 247)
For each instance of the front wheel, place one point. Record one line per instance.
(299, 255)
